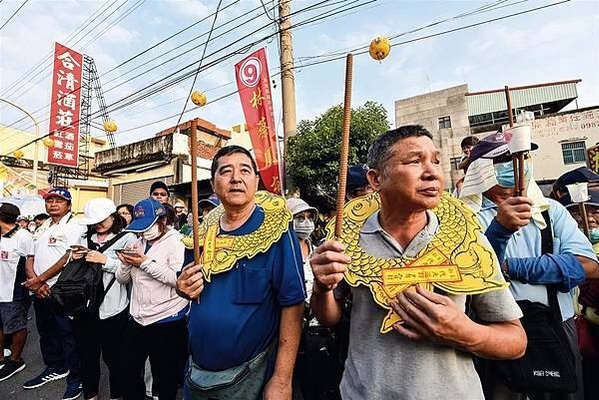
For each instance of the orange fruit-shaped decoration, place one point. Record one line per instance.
(110, 126)
(18, 154)
(48, 142)
(199, 98)
(380, 47)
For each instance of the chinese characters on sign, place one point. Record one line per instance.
(65, 107)
(253, 83)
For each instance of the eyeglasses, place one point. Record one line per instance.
(303, 217)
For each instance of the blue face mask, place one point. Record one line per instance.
(504, 173)
(594, 235)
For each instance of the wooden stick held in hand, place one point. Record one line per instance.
(194, 190)
(349, 63)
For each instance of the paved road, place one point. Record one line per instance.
(12, 388)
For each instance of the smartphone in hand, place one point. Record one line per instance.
(79, 249)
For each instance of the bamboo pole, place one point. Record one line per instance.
(194, 189)
(349, 63)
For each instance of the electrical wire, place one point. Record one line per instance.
(48, 56)
(422, 38)
(396, 44)
(195, 77)
(139, 54)
(41, 78)
(13, 14)
(307, 8)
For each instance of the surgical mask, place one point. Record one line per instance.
(304, 228)
(152, 233)
(504, 173)
(594, 235)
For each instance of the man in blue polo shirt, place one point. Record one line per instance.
(244, 328)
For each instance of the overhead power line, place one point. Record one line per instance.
(307, 8)
(13, 14)
(195, 77)
(48, 56)
(364, 52)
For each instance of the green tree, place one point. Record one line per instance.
(313, 154)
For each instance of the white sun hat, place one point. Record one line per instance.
(96, 211)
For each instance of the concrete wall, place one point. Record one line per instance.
(427, 109)
(551, 132)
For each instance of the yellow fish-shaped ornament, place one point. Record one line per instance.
(456, 260)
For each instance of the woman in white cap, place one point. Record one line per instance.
(304, 217)
(102, 332)
(158, 325)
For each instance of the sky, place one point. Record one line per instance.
(552, 44)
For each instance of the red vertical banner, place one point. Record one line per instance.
(65, 107)
(253, 83)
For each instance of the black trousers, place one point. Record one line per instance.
(104, 337)
(166, 346)
(57, 341)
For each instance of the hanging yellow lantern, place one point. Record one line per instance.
(18, 154)
(110, 126)
(198, 98)
(380, 47)
(48, 142)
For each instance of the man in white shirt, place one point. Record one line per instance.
(50, 253)
(15, 244)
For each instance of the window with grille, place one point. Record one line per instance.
(444, 122)
(455, 162)
(574, 152)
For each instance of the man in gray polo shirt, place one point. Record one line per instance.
(428, 356)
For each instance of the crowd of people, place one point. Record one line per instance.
(266, 312)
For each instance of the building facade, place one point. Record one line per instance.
(454, 113)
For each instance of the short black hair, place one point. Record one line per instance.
(43, 216)
(159, 185)
(380, 150)
(129, 208)
(117, 226)
(8, 219)
(171, 215)
(469, 141)
(228, 150)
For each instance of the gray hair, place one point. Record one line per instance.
(380, 150)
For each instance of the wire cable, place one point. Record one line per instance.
(13, 14)
(195, 77)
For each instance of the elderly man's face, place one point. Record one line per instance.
(235, 181)
(57, 206)
(412, 178)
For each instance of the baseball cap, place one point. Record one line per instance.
(212, 201)
(96, 211)
(22, 218)
(356, 176)
(59, 192)
(146, 213)
(9, 210)
(159, 185)
(492, 146)
(297, 205)
(581, 174)
(566, 200)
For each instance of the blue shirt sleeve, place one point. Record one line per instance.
(288, 273)
(498, 236)
(561, 267)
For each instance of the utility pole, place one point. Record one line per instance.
(287, 81)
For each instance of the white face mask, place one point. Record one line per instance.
(152, 233)
(304, 228)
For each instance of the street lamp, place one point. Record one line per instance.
(37, 134)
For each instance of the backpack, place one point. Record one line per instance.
(548, 364)
(80, 289)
